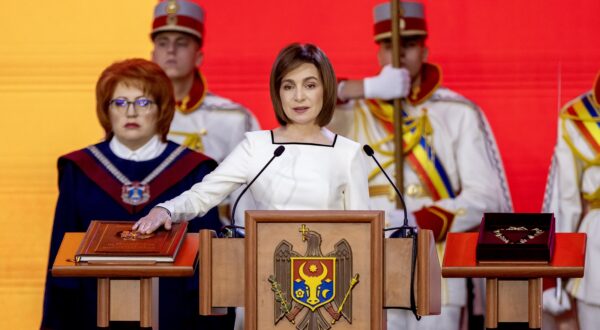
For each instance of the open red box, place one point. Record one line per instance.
(516, 237)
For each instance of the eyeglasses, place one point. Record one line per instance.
(141, 105)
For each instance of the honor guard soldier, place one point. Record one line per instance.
(452, 169)
(203, 121)
(573, 195)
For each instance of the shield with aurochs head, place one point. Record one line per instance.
(313, 281)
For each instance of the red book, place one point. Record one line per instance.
(114, 241)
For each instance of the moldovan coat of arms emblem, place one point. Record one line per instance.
(313, 282)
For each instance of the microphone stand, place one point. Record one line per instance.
(404, 231)
(232, 230)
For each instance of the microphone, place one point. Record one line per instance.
(405, 230)
(278, 151)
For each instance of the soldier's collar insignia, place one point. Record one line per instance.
(431, 79)
(195, 97)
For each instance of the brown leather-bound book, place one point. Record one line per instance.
(114, 241)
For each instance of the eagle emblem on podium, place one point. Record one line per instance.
(313, 288)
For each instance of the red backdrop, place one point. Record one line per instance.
(517, 59)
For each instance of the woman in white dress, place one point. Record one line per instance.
(318, 170)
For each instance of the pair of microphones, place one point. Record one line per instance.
(403, 231)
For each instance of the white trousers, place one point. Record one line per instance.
(239, 318)
(589, 315)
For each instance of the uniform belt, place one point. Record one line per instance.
(382, 190)
(224, 211)
(593, 204)
(412, 190)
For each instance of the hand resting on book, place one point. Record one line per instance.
(156, 218)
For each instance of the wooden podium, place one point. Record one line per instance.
(513, 289)
(121, 304)
(317, 270)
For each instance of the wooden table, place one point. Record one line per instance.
(184, 266)
(514, 289)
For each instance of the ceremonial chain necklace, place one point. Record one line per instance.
(536, 232)
(136, 192)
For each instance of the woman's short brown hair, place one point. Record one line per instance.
(290, 58)
(142, 74)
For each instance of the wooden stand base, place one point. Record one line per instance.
(123, 311)
(505, 301)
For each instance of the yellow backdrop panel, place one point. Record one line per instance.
(51, 55)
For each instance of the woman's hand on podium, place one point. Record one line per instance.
(156, 218)
(553, 304)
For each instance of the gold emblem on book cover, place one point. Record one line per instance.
(313, 282)
(133, 235)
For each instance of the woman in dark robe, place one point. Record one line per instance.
(122, 178)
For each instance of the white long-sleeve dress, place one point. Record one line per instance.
(305, 177)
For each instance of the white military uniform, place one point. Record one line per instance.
(461, 140)
(573, 194)
(305, 177)
(214, 126)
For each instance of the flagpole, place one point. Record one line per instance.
(398, 119)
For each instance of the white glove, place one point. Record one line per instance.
(555, 306)
(391, 83)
